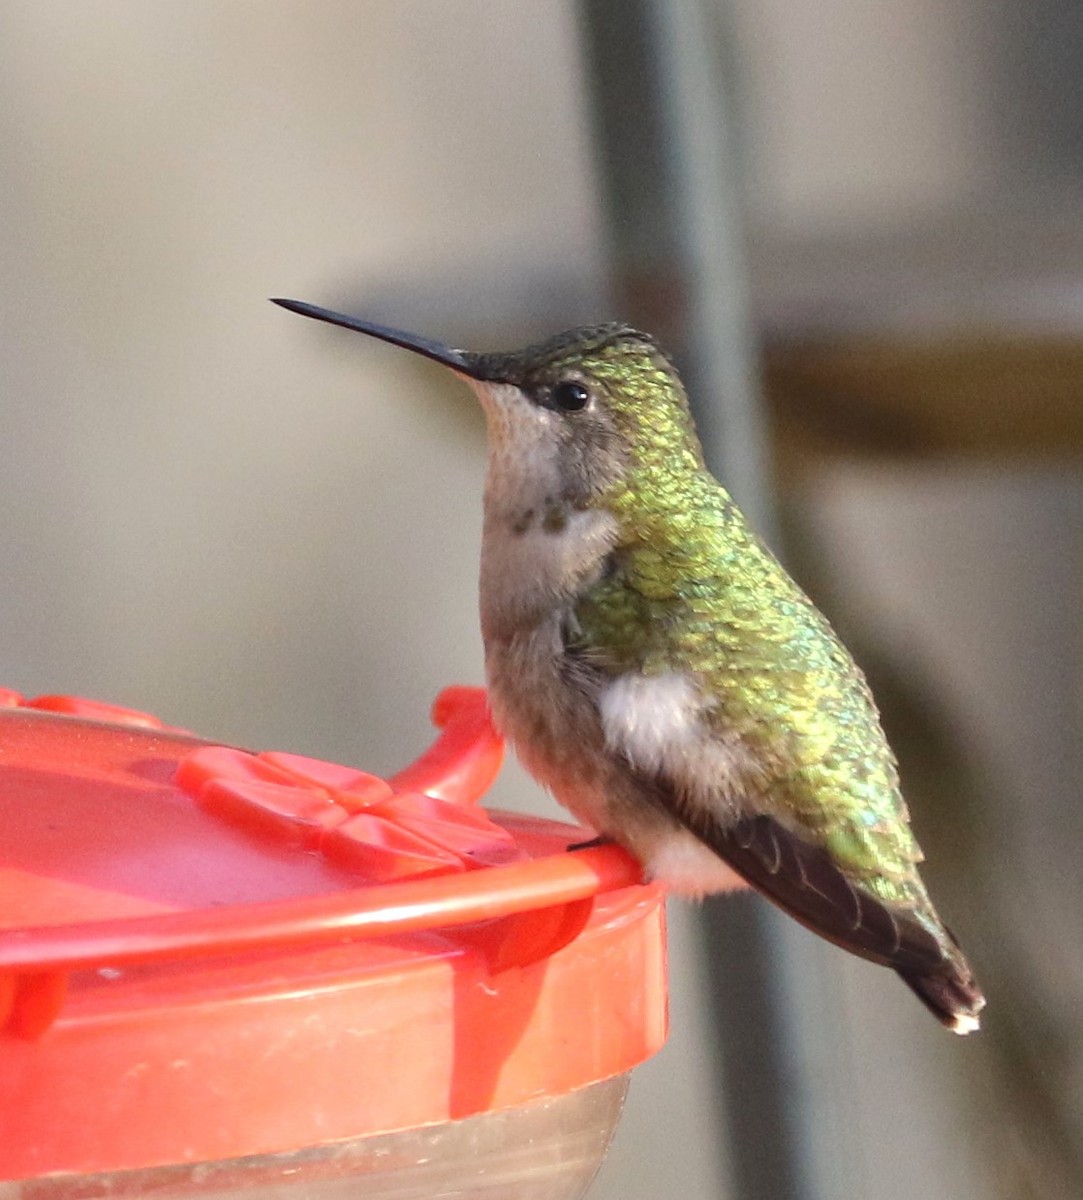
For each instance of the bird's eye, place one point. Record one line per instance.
(570, 396)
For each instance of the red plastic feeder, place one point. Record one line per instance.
(221, 970)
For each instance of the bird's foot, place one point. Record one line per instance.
(599, 840)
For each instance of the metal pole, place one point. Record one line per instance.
(668, 180)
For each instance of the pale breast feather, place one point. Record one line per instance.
(656, 723)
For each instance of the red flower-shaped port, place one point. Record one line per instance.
(359, 821)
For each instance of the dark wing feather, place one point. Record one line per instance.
(804, 881)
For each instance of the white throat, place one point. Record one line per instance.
(538, 552)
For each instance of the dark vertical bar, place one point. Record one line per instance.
(674, 245)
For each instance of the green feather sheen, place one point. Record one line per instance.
(696, 591)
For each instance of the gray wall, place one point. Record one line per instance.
(267, 531)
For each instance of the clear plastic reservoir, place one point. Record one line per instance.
(548, 1150)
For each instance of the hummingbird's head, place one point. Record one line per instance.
(578, 414)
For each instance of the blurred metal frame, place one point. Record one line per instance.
(668, 175)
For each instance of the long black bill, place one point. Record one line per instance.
(457, 360)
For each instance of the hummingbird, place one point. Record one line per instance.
(657, 670)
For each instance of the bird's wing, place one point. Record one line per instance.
(806, 882)
(846, 871)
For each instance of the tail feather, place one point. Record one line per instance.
(951, 994)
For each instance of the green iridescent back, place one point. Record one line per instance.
(694, 586)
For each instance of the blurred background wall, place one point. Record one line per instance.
(267, 531)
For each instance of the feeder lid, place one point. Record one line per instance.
(207, 953)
